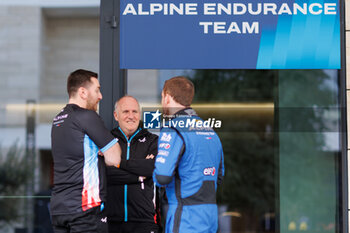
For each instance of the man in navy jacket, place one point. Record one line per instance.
(131, 194)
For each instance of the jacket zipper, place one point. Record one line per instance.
(127, 158)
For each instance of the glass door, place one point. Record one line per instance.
(280, 134)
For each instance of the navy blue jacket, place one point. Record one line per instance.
(127, 199)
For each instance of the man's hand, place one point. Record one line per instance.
(112, 155)
(151, 156)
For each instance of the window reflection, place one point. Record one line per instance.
(280, 128)
(280, 136)
(247, 199)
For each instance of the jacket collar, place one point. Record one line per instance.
(186, 112)
(118, 133)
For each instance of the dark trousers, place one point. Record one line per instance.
(90, 221)
(132, 227)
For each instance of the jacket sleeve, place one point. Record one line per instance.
(139, 167)
(120, 176)
(142, 167)
(221, 169)
(170, 150)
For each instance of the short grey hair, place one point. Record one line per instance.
(125, 96)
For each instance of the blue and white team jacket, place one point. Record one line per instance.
(190, 164)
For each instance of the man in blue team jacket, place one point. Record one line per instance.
(190, 162)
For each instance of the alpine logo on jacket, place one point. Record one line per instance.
(104, 220)
(143, 139)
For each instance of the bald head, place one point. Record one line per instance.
(127, 113)
(126, 98)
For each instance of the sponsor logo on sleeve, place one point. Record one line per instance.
(160, 160)
(58, 120)
(209, 171)
(165, 137)
(60, 117)
(163, 152)
(164, 145)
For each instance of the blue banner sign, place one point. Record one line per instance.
(226, 34)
